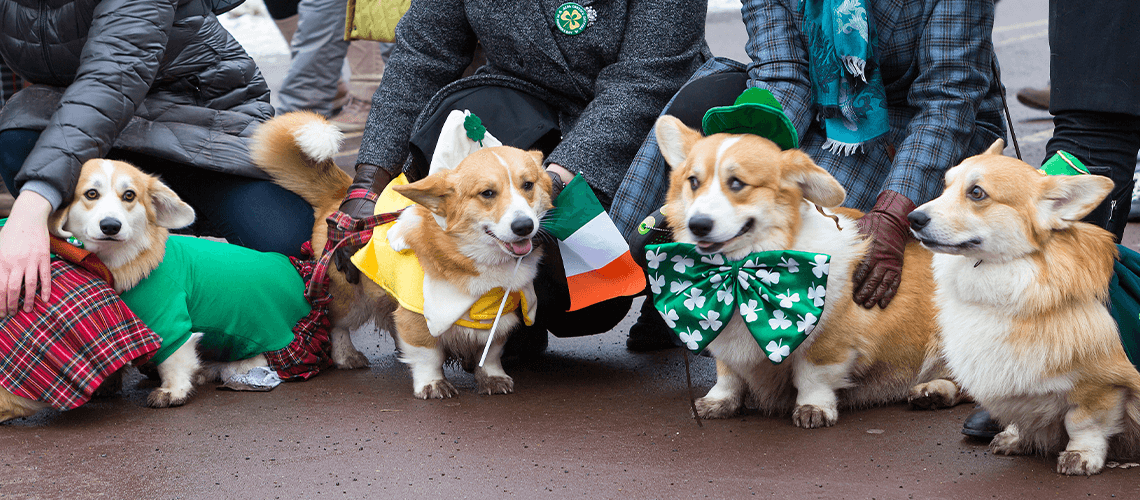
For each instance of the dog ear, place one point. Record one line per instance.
(1068, 198)
(996, 148)
(431, 192)
(536, 155)
(169, 210)
(815, 183)
(674, 139)
(57, 220)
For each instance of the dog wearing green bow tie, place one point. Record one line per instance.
(760, 275)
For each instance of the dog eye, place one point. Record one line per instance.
(527, 186)
(490, 193)
(977, 193)
(694, 183)
(91, 194)
(735, 184)
(129, 195)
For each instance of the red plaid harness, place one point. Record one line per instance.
(345, 231)
(311, 349)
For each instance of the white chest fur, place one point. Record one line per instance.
(977, 307)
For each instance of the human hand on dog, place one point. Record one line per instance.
(877, 277)
(24, 256)
(374, 179)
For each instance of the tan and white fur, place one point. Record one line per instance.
(738, 194)
(122, 215)
(469, 227)
(1021, 290)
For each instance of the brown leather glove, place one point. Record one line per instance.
(877, 278)
(371, 178)
(556, 185)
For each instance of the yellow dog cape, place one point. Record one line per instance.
(399, 273)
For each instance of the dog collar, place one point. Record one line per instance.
(779, 294)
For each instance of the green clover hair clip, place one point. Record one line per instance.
(1064, 163)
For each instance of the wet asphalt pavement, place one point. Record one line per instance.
(588, 419)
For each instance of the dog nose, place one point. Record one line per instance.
(110, 227)
(701, 225)
(522, 226)
(918, 220)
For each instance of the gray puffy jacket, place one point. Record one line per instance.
(159, 77)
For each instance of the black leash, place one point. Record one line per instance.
(689, 381)
(1005, 106)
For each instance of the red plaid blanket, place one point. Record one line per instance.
(61, 351)
(311, 349)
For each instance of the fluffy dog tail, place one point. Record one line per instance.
(296, 150)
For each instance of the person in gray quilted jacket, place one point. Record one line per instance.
(157, 83)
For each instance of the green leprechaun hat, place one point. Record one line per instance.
(756, 112)
(1063, 163)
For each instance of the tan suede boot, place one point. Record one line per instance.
(287, 27)
(366, 68)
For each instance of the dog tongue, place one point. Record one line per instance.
(520, 247)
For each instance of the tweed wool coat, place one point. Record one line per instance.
(159, 77)
(607, 84)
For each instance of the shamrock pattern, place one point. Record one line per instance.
(779, 295)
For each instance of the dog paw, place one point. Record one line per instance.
(1079, 463)
(437, 389)
(812, 417)
(163, 398)
(350, 359)
(495, 384)
(1007, 442)
(716, 408)
(933, 395)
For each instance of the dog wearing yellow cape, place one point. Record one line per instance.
(469, 225)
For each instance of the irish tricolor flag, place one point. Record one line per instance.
(596, 257)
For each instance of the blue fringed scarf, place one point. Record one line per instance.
(844, 71)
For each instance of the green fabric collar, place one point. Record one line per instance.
(779, 295)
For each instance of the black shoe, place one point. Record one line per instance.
(981, 426)
(650, 333)
(525, 343)
(1034, 98)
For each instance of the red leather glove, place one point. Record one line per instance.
(374, 179)
(877, 278)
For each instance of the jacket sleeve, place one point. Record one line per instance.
(778, 57)
(663, 45)
(119, 62)
(954, 61)
(434, 45)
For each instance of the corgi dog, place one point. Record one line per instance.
(472, 229)
(737, 194)
(123, 216)
(1021, 291)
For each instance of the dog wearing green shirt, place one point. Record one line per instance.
(228, 302)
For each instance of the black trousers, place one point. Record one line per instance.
(523, 121)
(1107, 144)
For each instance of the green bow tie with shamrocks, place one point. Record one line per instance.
(778, 294)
